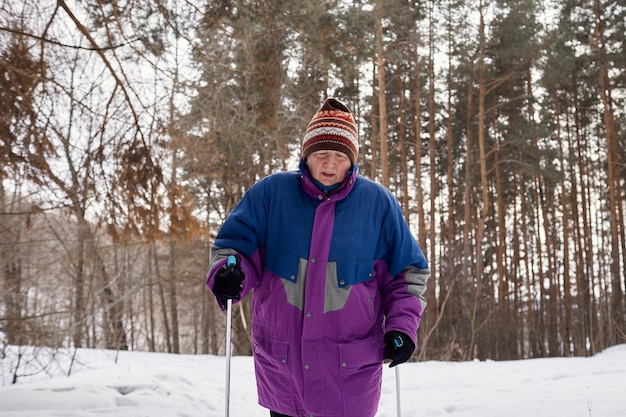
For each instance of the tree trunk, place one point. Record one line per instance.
(417, 126)
(616, 316)
(566, 323)
(382, 101)
(586, 257)
(432, 151)
(164, 309)
(173, 299)
(11, 276)
(149, 304)
(469, 280)
(404, 198)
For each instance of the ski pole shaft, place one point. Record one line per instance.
(399, 412)
(229, 324)
(229, 318)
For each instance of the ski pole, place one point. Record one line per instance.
(399, 412)
(398, 342)
(229, 312)
(229, 319)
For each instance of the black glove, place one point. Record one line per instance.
(227, 283)
(398, 347)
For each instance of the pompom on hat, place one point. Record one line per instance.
(332, 128)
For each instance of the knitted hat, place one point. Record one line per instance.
(332, 128)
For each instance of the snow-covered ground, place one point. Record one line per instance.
(139, 384)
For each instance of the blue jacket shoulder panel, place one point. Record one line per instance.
(268, 208)
(394, 244)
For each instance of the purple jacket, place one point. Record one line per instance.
(330, 276)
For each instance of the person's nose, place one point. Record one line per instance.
(331, 161)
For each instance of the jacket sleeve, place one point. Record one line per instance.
(242, 233)
(405, 274)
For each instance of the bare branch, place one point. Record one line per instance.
(64, 45)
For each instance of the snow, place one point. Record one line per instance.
(140, 384)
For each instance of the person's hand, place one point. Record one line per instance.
(227, 283)
(398, 347)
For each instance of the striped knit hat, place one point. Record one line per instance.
(332, 128)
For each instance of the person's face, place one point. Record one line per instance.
(329, 167)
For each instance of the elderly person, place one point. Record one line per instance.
(338, 278)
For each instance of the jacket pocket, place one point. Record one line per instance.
(361, 376)
(271, 367)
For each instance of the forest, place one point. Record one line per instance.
(130, 129)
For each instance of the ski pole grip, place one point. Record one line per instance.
(231, 261)
(398, 341)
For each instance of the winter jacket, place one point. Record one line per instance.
(330, 276)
